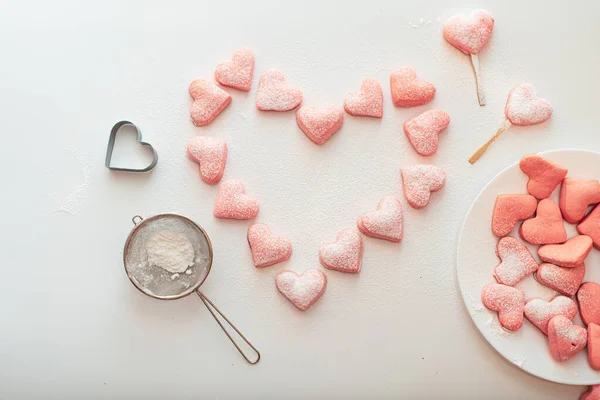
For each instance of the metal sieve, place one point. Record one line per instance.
(161, 284)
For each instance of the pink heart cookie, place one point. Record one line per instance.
(233, 203)
(407, 90)
(539, 312)
(547, 227)
(508, 301)
(319, 123)
(570, 254)
(302, 290)
(576, 195)
(517, 262)
(593, 393)
(544, 176)
(345, 254)
(563, 280)
(420, 181)
(590, 226)
(588, 297)
(469, 33)
(594, 347)
(276, 95)
(565, 339)
(267, 248)
(523, 107)
(366, 103)
(210, 153)
(237, 72)
(423, 130)
(209, 101)
(509, 209)
(385, 223)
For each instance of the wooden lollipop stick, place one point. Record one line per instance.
(483, 148)
(480, 95)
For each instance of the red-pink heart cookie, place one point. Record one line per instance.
(345, 254)
(420, 181)
(508, 301)
(590, 226)
(237, 72)
(276, 95)
(594, 347)
(517, 262)
(407, 90)
(209, 101)
(593, 393)
(544, 176)
(469, 33)
(423, 130)
(385, 223)
(509, 209)
(570, 254)
(588, 297)
(539, 312)
(267, 248)
(302, 290)
(366, 103)
(576, 195)
(210, 153)
(233, 203)
(547, 227)
(563, 280)
(565, 339)
(523, 107)
(320, 123)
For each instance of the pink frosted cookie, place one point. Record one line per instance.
(570, 254)
(267, 248)
(517, 262)
(345, 254)
(209, 101)
(302, 290)
(565, 339)
(593, 392)
(508, 301)
(590, 226)
(423, 130)
(563, 280)
(385, 223)
(547, 227)
(544, 176)
(233, 203)
(588, 297)
(210, 153)
(523, 107)
(320, 123)
(407, 90)
(509, 209)
(237, 72)
(576, 195)
(419, 181)
(276, 95)
(539, 312)
(366, 103)
(469, 33)
(594, 347)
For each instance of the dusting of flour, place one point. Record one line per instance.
(171, 251)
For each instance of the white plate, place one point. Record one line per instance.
(528, 347)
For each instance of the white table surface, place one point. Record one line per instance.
(72, 326)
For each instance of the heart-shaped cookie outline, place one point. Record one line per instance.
(111, 145)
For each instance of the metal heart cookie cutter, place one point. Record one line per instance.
(156, 282)
(111, 145)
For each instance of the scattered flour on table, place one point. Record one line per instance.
(72, 202)
(171, 251)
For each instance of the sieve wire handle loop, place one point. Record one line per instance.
(212, 308)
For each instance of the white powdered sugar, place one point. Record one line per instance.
(171, 251)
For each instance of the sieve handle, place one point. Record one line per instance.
(212, 308)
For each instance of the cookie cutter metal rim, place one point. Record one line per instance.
(111, 144)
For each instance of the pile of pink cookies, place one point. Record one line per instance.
(563, 259)
(319, 124)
